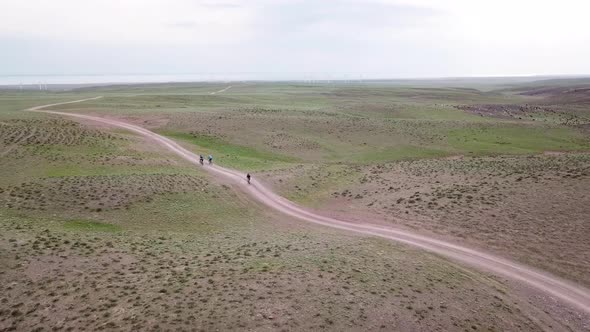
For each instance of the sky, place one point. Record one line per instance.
(294, 39)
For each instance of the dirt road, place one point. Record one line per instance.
(220, 91)
(571, 293)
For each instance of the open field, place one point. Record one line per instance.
(314, 142)
(86, 275)
(532, 208)
(145, 240)
(148, 243)
(350, 124)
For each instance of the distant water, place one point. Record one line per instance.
(101, 79)
(43, 80)
(162, 78)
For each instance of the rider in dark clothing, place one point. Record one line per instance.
(201, 159)
(248, 177)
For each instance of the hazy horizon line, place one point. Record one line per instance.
(368, 74)
(146, 78)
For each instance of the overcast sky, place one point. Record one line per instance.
(372, 38)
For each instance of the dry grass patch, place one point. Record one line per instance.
(96, 193)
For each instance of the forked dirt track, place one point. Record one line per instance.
(566, 291)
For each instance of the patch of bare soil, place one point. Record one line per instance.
(40, 132)
(96, 193)
(562, 95)
(284, 141)
(526, 112)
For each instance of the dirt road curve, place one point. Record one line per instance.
(571, 293)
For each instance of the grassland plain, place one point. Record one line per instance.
(166, 239)
(351, 124)
(313, 141)
(122, 237)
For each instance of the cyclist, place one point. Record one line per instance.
(210, 159)
(248, 177)
(201, 159)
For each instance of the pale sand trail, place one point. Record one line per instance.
(569, 292)
(220, 91)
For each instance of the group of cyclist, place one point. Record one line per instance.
(210, 158)
(201, 159)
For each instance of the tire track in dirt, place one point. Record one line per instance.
(220, 91)
(567, 291)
